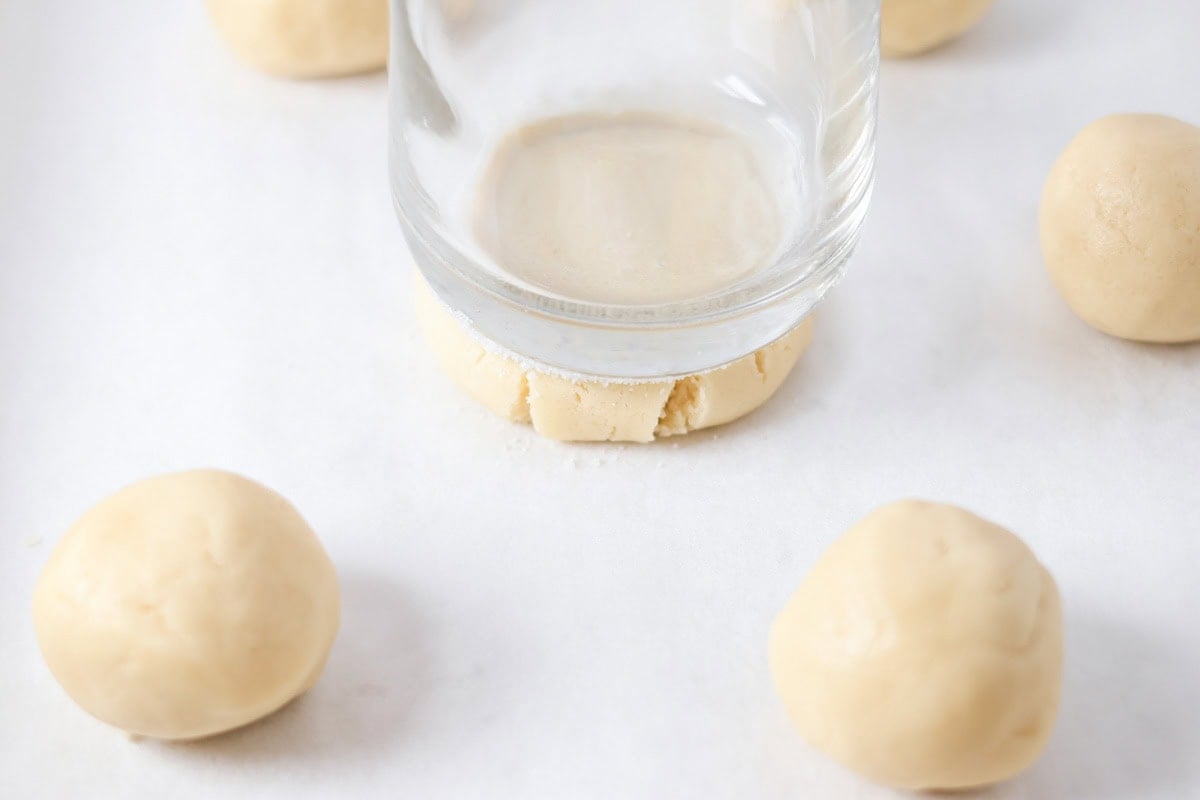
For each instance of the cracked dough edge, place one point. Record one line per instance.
(592, 411)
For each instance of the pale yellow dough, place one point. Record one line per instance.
(1120, 227)
(306, 38)
(924, 650)
(572, 410)
(911, 27)
(186, 605)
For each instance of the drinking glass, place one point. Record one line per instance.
(793, 79)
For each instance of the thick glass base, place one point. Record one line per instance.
(627, 343)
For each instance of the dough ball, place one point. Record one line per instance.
(924, 650)
(1120, 226)
(306, 38)
(911, 27)
(458, 10)
(186, 605)
(591, 411)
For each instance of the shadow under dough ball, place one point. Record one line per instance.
(1120, 227)
(306, 38)
(924, 650)
(186, 605)
(912, 27)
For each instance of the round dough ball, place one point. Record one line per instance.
(911, 27)
(186, 605)
(1120, 227)
(591, 411)
(306, 38)
(924, 650)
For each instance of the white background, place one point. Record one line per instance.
(199, 266)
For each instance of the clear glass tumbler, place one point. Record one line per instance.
(632, 189)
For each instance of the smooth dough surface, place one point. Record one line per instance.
(186, 605)
(306, 38)
(587, 411)
(911, 27)
(1120, 227)
(924, 650)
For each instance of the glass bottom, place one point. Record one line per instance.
(623, 350)
(610, 335)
